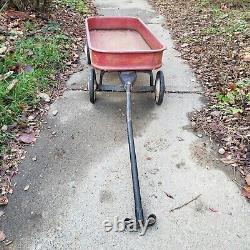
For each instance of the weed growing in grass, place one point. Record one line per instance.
(31, 68)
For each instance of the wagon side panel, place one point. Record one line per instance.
(126, 61)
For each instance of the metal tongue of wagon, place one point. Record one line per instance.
(125, 45)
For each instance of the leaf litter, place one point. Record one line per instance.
(25, 131)
(213, 37)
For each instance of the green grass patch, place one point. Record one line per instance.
(226, 21)
(235, 97)
(79, 5)
(28, 71)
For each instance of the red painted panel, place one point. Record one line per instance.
(122, 43)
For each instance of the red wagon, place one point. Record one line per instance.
(125, 45)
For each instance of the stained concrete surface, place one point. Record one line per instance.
(82, 173)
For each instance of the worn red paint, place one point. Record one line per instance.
(122, 43)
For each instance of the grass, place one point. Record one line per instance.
(235, 97)
(31, 68)
(78, 5)
(227, 24)
(227, 21)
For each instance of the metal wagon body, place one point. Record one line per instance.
(122, 47)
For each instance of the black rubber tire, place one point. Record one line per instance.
(92, 85)
(159, 87)
(151, 77)
(87, 53)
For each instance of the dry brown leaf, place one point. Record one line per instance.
(17, 14)
(246, 57)
(3, 49)
(213, 210)
(44, 96)
(3, 200)
(7, 75)
(248, 179)
(168, 195)
(227, 161)
(11, 85)
(232, 86)
(27, 138)
(2, 236)
(246, 192)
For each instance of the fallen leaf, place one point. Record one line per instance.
(30, 53)
(227, 161)
(2, 236)
(7, 75)
(184, 45)
(6, 243)
(55, 112)
(198, 49)
(180, 138)
(3, 49)
(44, 96)
(246, 57)
(31, 117)
(27, 138)
(221, 151)
(11, 85)
(23, 106)
(3, 200)
(17, 68)
(246, 192)
(168, 195)
(17, 14)
(213, 210)
(248, 179)
(232, 86)
(4, 128)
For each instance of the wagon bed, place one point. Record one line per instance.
(122, 43)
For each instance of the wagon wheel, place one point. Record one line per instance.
(159, 87)
(87, 53)
(92, 85)
(151, 78)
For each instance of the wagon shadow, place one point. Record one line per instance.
(113, 105)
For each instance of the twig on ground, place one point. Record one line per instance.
(237, 183)
(4, 5)
(168, 195)
(185, 204)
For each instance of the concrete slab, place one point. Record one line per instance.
(82, 173)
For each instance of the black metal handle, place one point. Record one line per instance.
(133, 161)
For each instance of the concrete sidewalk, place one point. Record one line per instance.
(82, 174)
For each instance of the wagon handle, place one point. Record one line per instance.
(128, 78)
